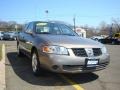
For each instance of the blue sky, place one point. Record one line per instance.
(90, 12)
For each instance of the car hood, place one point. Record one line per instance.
(70, 41)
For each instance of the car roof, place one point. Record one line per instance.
(57, 22)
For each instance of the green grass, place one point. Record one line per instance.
(0, 52)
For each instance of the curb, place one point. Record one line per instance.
(2, 70)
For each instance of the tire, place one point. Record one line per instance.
(113, 42)
(19, 51)
(14, 38)
(35, 63)
(96, 39)
(1, 38)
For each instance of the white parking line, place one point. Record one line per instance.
(2, 70)
(74, 84)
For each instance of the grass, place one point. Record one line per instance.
(0, 52)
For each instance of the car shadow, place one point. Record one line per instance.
(22, 68)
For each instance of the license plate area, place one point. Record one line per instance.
(92, 62)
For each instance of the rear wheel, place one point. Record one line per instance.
(35, 63)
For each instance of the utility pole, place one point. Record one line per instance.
(16, 27)
(46, 11)
(74, 22)
(111, 31)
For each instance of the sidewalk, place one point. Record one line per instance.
(2, 70)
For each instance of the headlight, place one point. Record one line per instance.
(55, 50)
(104, 50)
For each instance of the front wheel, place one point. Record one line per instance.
(35, 64)
(1, 38)
(14, 38)
(113, 42)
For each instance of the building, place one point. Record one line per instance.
(81, 32)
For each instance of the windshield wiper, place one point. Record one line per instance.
(44, 33)
(69, 34)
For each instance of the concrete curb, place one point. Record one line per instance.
(2, 70)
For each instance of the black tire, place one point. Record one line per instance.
(1, 38)
(15, 38)
(113, 42)
(96, 39)
(35, 63)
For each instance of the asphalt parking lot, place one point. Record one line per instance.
(19, 75)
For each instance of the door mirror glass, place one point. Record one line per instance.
(29, 32)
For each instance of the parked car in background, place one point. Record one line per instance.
(1, 35)
(97, 38)
(115, 39)
(56, 47)
(11, 35)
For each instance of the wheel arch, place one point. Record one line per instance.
(33, 49)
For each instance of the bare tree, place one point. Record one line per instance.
(116, 24)
(9, 26)
(105, 29)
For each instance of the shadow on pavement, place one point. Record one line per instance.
(22, 67)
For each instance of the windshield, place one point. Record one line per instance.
(55, 29)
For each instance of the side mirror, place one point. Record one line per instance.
(29, 32)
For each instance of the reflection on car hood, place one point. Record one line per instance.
(70, 41)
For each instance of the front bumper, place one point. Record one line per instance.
(71, 64)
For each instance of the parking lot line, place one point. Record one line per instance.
(2, 70)
(74, 84)
(3, 51)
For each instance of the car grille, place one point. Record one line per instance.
(97, 51)
(72, 67)
(81, 52)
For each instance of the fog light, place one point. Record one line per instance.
(55, 67)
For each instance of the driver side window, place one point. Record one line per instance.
(29, 28)
(65, 29)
